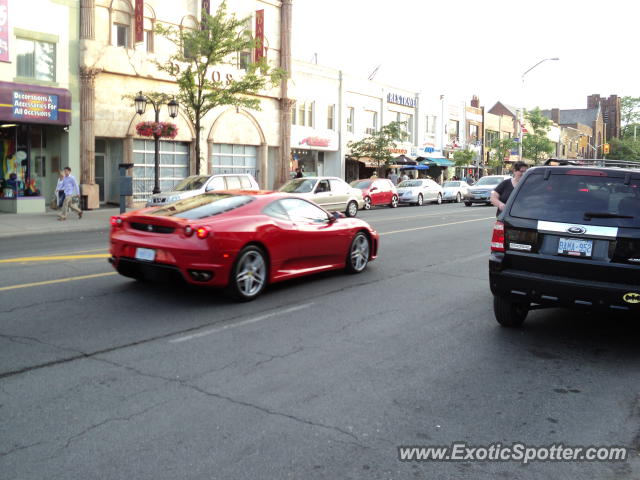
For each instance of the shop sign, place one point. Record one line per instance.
(313, 139)
(401, 100)
(139, 21)
(35, 106)
(4, 31)
(259, 35)
(399, 151)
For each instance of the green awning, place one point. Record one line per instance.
(438, 162)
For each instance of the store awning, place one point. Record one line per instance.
(23, 103)
(438, 162)
(415, 167)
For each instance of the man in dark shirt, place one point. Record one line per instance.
(502, 192)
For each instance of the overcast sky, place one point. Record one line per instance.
(462, 47)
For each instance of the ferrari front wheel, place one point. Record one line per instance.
(249, 274)
(359, 250)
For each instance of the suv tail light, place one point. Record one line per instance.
(497, 239)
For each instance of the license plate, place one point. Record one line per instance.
(576, 247)
(146, 254)
(478, 196)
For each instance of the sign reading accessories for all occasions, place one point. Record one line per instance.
(20, 102)
(35, 105)
(401, 100)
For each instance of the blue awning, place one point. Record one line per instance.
(415, 167)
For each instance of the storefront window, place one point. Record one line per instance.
(36, 59)
(227, 158)
(23, 160)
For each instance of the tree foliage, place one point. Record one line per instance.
(536, 145)
(219, 42)
(500, 150)
(377, 146)
(630, 117)
(624, 149)
(462, 158)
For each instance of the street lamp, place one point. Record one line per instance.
(141, 105)
(519, 113)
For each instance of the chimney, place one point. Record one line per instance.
(475, 101)
(555, 115)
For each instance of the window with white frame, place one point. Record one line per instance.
(245, 57)
(331, 117)
(473, 133)
(36, 59)
(491, 137)
(350, 119)
(302, 114)
(406, 120)
(371, 119)
(430, 124)
(121, 34)
(453, 130)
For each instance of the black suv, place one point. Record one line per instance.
(569, 236)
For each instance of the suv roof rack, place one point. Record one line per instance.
(591, 162)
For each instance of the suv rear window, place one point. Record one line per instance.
(576, 198)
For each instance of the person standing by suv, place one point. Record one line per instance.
(502, 192)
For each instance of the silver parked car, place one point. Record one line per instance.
(419, 190)
(331, 193)
(480, 192)
(454, 190)
(197, 184)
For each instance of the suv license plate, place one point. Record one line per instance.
(576, 247)
(146, 254)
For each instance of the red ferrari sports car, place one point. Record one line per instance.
(238, 239)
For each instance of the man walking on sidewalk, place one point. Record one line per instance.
(71, 190)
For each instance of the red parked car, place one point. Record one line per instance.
(242, 240)
(377, 191)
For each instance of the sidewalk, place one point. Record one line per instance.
(14, 225)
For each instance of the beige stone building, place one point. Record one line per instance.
(113, 65)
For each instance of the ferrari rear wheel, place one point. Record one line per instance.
(249, 274)
(367, 203)
(358, 253)
(352, 209)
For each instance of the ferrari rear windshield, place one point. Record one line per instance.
(203, 206)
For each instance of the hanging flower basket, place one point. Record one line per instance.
(161, 129)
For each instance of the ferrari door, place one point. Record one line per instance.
(321, 242)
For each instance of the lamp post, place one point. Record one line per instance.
(519, 112)
(141, 105)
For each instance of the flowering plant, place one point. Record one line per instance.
(161, 129)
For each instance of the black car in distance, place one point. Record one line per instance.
(569, 236)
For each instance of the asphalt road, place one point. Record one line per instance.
(105, 377)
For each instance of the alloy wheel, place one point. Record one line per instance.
(358, 253)
(251, 273)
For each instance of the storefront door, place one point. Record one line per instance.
(100, 176)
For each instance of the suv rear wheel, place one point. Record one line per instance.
(509, 313)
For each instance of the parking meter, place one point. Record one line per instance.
(126, 184)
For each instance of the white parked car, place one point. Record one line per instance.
(197, 184)
(419, 190)
(454, 190)
(331, 193)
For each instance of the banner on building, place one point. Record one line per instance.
(4, 31)
(259, 35)
(139, 37)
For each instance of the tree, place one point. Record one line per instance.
(462, 158)
(500, 150)
(629, 115)
(536, 145)
(219, 42)
(377, 146)
(624, 149)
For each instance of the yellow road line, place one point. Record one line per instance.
(55, 257)
(59, 280)
(434, 226)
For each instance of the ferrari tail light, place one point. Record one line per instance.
(202, 232)
(188, 230)
(497, 239)
(116, 221)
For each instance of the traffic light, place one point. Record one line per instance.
(605, 148)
